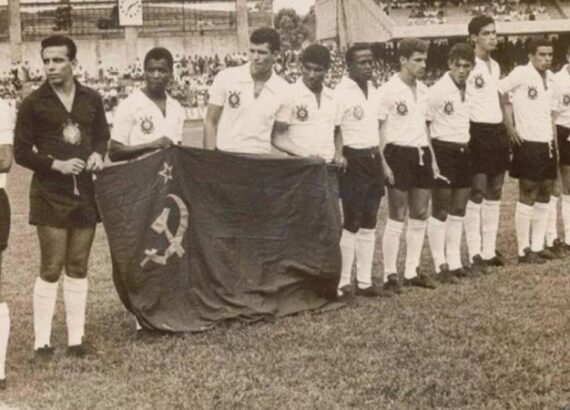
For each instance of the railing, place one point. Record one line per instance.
(70, 18)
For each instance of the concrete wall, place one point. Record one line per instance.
(116, 53)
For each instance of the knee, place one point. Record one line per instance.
(457, 211)
(369, 221)
(352, 224)
(76, 268)
(51, 270)
(439, 213)
(419, 213)
(398, 214)
(494, 193)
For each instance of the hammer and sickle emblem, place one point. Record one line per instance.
(160, 226)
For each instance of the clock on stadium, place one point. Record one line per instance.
(130, 12)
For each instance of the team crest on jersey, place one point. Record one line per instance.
(147, 126)
(401, 108)
(566, 100)
(234, 99)
(532, 93)
(448, 108)
(479, 81)
(302, 113)
(358, 112)
(71, 133)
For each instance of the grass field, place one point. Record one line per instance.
(497, 342)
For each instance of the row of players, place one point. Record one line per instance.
(450, 142)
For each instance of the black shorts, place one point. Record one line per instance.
(361, 187)
(411, 166)
(454, 163)
(489, 147)
(4, 220)
(563, 145)
(57, 205)
(535, 161)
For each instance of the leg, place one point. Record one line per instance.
(75, 281)
(473, 216)
(565, 180)
(418, 202)
(441, 201)
(366, 238)
(454, 229)
(52, 248)
(541, 210)
(528, 191)
(552, 241)
(490, 212)
(4, 312)
(397, 205)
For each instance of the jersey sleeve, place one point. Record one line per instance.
(285, 111)
(512, 81)
(217, 92)
(122, 123)
(383, 103)
(432, 103)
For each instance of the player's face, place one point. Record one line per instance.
(487, 38)
(542, 59)
(313, 75)
(261, 58)
(415, 65)
(157, 75)
(57, 65)
(362, 65)
(459, 70)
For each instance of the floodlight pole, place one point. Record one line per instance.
(15, 31)
(242, 25)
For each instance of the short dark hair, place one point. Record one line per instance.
(534, 43)
(268, 35)
(159, 53)
(409, 46)
(461, 51)
(351, 52)
(477, 23)
(317, 54)
(58, 40)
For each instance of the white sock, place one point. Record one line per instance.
(75, 298)
(490, 212)
(523, 214)
(566, 217)
(453, 241)
(414, 243)
(390, 246)
(472, 223)
(4, 336)
(539, 222)
(137, 324)
(365, 240)
(45, 294)
(347, 248)
(551, 228)
(436, 236)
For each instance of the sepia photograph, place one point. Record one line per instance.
(285, 204)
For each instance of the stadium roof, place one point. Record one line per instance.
(364, 22)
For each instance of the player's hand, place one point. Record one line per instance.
(72, 166)
(388, 174)
(514, 136)
(163, 143)
(437, 173)
(341, 161)
(94, 163)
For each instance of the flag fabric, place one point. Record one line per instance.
(198, 237)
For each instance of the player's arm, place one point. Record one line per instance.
(281, 140)
(213, 115)
(382, 138)
(121, 152)
(24, 141)
(338, 158)
(507, 85)
(433, 104)
(101, 136)
(5, 157)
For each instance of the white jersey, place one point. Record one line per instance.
(533, 102)
(6, 131)
(358, 114)
(246, 122)
(562, 94)
(404, 113)
(138, 120)
(312, 124)
(448, 113)
(483, 92)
